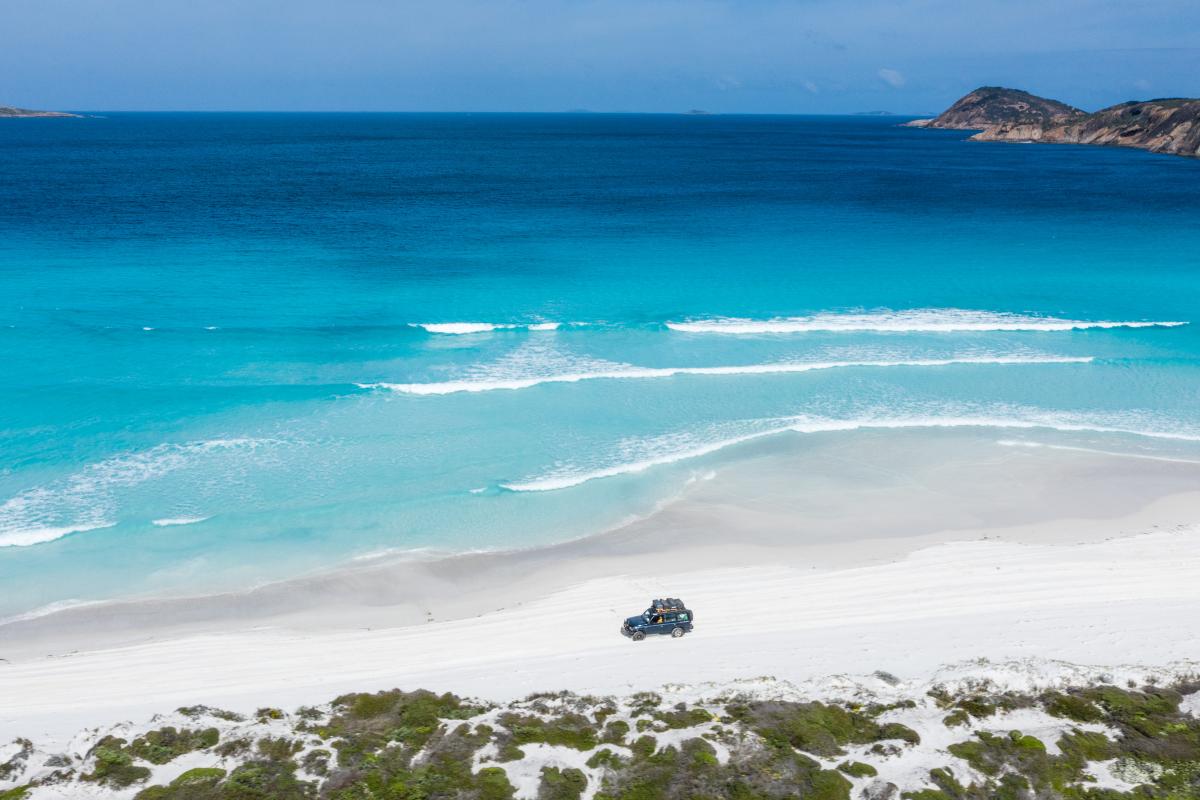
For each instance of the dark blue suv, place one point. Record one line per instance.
(666, 617)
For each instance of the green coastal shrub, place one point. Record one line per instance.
(605, 758)
(363, 725)
(567, 784)
(858, 769)
(1071, 707)
(604, 711)
(265, 780)
(682, 717)
(956, 718)
(644, 702)
(114, 765)
(316, 762)
(492, 784)
(615, 732)
(193, 712)
(199, 775)
(816, 728)
(278, 748)
(443, 771)
(568, 730)
(166, 744)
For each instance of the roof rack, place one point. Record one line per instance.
(667, 604)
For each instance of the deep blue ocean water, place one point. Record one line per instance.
(222, 360)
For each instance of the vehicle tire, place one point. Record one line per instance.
(676, 633)
(638, 636)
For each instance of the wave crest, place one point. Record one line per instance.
(687, 447)
(921, 320)
(87, 500)
(171, 522)
(618, 372)
(462, 328)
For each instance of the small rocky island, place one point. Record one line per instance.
(1011, 115)
(9, 111)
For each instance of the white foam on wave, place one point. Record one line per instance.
(86, 500)
(1093, 450)
(24, 537)
(169, 522)
(461, 328)
(631, 372)
(50, 608)
(688, 448)
(921, 320)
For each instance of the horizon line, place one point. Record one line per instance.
(577, 112)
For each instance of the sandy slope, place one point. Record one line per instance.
(1133, 599)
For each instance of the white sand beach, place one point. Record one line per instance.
(1077, 556)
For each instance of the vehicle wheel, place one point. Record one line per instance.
(638, 636)
(675, 634)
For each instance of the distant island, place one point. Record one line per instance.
(1170, 125)
(9, 111)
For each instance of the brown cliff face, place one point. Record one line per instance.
(1160, 126)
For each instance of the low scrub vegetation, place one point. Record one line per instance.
(1108, 743)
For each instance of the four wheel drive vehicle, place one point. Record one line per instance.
(668, 617)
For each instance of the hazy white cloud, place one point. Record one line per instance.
(810, 86)
(725, 82)
(892, 77)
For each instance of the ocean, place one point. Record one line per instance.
(239, 348)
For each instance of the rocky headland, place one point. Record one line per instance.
(1169, 125)
(9, 111)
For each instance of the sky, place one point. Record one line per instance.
(730, 56)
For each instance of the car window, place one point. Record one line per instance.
(683, 617)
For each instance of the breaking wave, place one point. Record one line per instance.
(460, 328)
(616, 372)
(86, 500)
(170, 522)
(922, 320)
(660, 451)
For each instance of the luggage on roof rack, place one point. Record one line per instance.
(665, 604)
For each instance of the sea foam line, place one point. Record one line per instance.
(86, 500)
(1092, 450)
(170, 522)
(921, 320)
(818, 425)
(492, 384)
(30, 536)
(461, 328)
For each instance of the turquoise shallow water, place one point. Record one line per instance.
(226, 361)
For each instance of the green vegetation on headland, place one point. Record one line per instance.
(1168, 125)
(1098, 742)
